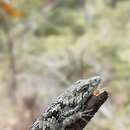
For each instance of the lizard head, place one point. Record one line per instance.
(87, 86)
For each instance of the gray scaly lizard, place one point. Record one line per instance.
(68, 107)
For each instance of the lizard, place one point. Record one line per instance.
(68, 107)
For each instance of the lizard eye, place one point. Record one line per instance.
(85, 88)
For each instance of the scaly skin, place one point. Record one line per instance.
(68, 107)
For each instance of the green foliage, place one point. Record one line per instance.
(71, 3)
(69, 40)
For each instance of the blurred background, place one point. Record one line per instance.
(46, 45)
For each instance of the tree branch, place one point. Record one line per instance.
(94, 103)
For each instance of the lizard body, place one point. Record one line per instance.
(68, 107)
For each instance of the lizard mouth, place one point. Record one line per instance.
(98, 91)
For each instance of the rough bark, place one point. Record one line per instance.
(94, 103)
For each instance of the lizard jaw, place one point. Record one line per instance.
(98, 91)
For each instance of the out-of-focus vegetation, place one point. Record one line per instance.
(53, 44)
